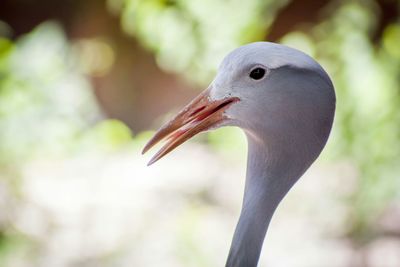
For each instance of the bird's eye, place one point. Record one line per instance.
(257, 73)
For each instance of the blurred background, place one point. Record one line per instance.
(84, 83)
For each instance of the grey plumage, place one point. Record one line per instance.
(287, 116)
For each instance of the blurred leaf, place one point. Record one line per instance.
(111, 134)
(391, 40)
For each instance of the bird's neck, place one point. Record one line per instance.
(267, 182)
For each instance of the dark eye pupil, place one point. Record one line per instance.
(257, 73)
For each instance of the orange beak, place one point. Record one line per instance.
(199, 115)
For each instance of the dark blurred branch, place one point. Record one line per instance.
(389, 13)
(24, 15)
(293, 15)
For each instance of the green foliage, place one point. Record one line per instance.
(106, 135)
(229, 140)
(192, 37)
(367, 128)
(13, 244)
(44, 101)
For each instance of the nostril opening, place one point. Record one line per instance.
(197, 111)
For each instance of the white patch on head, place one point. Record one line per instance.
(268, 54)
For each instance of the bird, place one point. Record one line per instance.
(285, 102)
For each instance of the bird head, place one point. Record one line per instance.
(278, 95)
